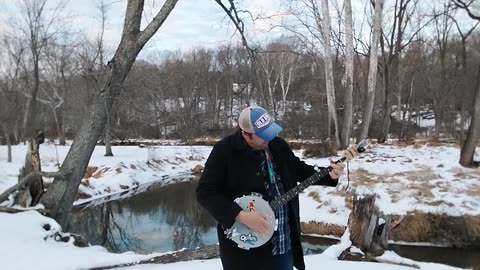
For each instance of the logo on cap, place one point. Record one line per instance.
(262, 120)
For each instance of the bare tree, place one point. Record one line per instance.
(348, 103)
(440, 90)
(469, 6)
(267, 63)
(473, 135)
(58, 72)
(233, 13)
(103, 8)
(287, 67)
(37, 30)
(465, 85)
(372, 72)
(61, 193)
(10, 85)
(326, 26)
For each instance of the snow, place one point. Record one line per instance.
(394, 174)
(26, 244)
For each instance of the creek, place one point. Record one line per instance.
(164, 217)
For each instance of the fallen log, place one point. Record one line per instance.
(25, 182)
(203, 253)
(11, 210)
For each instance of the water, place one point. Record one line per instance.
(162, 218)
(459, 257)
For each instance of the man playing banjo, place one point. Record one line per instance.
(254, 165)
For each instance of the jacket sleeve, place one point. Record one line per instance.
(211, 189)
(304, 170)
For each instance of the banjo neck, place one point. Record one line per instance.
(284, 198)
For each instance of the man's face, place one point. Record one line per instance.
(254, 141)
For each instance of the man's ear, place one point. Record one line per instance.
(249, 135)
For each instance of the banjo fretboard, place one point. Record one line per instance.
(280, 200)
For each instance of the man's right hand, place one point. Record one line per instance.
(256, 221)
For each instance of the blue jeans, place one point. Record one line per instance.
(283, 261)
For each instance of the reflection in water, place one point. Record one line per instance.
(161, 219)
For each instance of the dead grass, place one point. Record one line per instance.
(419, 142)
(363, 177)
(197, 170)
(321, 228)
(422, 190)
(466, 174)
(318, 150)
(438, 203)
(459, 231)
(394, 194)
(473, 191)
(209, 140)
(82, 195)
(424, 174)
(349, 199)
(89, 171)
(315, 196)
(439, 229)
(403, 143)
(100, 173)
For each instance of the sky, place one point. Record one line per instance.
(191, 23)
(24, 242)
(202, 23)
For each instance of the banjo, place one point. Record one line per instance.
(247, 238)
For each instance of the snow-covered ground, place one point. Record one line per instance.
(404, 179)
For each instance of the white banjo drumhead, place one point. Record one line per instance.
(241, 234)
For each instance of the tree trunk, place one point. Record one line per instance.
(61, 193)
(108, 138)
(369, 229)
(468, 149)
(372, 73)
(348, 105)
(408, 111)
(59, 126)
(28, 120)
(8, 141)
(31, 195)
(332, 107)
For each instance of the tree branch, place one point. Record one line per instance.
(463, 5)
(133, 17)
(26, 181)
(157, 21)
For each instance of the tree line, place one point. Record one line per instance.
(322, 79)
(186, 94)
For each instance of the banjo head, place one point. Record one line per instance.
(241, 234)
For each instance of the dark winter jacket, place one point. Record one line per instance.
(233, 168)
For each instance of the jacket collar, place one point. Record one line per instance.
(239, 141)
(241, 144)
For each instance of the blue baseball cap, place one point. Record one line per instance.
(256, 120)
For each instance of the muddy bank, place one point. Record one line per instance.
(462, 231)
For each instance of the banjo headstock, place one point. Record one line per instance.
(353, 150)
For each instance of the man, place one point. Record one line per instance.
(254, 159)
